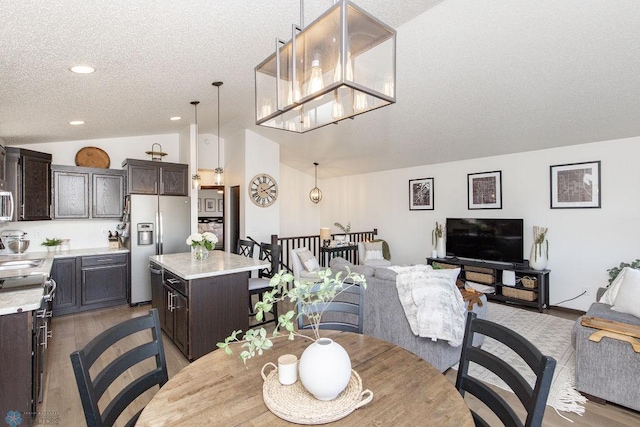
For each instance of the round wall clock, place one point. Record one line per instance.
(263, 190)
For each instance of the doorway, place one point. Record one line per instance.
(234, 216)
(211, 212)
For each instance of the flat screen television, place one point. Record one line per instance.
(498, 240)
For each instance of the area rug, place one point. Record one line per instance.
(552, 336)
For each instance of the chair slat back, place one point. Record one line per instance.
(348, 305)
(91, 390)
(245, 248)
(532, 398)
(272, 254)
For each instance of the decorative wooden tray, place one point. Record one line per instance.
(295, 404)
(93, 157)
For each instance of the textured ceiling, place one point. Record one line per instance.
(474, 78)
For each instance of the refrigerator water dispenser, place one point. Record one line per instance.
(145, 233)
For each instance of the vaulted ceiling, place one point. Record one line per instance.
(475, 78)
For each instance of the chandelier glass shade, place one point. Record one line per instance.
(315, 194)
(341, 65)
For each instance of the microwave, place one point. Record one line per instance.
(6, 205)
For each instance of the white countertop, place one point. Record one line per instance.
(29, 299)
(218, 263)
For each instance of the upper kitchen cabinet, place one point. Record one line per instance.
(80, 192)
(28, 176)
(149, 177)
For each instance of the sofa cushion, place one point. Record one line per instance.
(385, 274)
(628, 297)
(372, 251)
(604, 311)
(340, 264)
(309, 261)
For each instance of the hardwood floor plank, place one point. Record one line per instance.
(72, 332)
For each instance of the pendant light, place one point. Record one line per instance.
(219, 177)
(195, 178)
(346, 52)
(315, 194)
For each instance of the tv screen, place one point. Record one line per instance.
(484, 239)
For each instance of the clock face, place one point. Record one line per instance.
(263, 190)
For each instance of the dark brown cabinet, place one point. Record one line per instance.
(63, 272)
(148, 177)
(87, 192)
(90, 282)
(175, 305)
(16, 363)
(28, 176)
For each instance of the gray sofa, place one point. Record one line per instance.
(610, 369)
(384, 317)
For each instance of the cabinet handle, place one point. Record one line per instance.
(173, 281)
(169, 301)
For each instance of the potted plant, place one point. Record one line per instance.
(540, 250)
(202, 244)
(52, 244)
(613, 272)
(308, 294)
(345, 229)
(437, 239)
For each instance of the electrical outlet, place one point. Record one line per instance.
(586, 291)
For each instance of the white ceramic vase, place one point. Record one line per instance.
(539, 256)
(440, 247)
(325, 369)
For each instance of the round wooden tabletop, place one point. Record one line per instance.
(218, 389)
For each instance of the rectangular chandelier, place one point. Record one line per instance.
(341, 65)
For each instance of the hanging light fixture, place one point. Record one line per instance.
(195, 178)
(219, 172)
(346, 51)
(315, 194)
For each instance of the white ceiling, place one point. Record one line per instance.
(475, 78)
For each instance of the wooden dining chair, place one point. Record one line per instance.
(245, 248)
(92, 388)
(533, 398)
(343, 314)
(259, 285)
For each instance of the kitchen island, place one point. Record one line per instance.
(201, 302)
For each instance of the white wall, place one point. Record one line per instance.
(584, 243)
(299, 216)
(261, 156)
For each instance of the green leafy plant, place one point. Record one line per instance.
(613, 272)
(51, 242)
(345, 229)
(329, 286)
(437, 233)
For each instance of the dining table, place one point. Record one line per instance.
(219, 389)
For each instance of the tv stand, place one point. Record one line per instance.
(494, 271)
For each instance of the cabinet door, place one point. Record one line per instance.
(108, 196)
(104, 285)
(63, 271)
(70, 194)
(174, 180)
(142, 179)
(181, 330)
(157, 295)
(167, 301)
(36, 188)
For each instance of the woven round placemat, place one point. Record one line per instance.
(295, 404)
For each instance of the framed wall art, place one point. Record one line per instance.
(220, 205)
(484, 190)
(575, 185)
(209, 205)
(199, 204)
(421, 194)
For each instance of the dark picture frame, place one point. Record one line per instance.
(484, 190)
(421, 194)
(209, 205)
(576, 185)
(220, 205)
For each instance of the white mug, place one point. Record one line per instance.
(287, 369)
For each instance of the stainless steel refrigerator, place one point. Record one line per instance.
(158, 225)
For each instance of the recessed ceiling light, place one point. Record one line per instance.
(82, 69)
(175, 118)
(76, 122)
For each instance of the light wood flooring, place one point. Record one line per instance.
(62, 402)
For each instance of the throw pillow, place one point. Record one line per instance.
(610, 294)
(307, 259)
(372, 250)
(628, 297)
